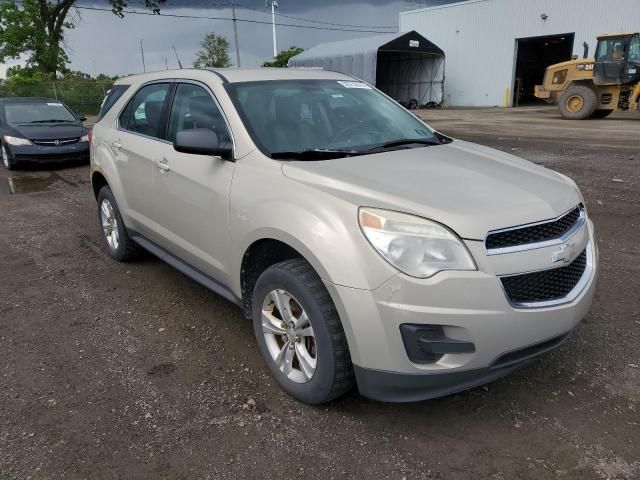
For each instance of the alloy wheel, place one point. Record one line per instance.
(289, 336)
(109, 224)
(5, 157)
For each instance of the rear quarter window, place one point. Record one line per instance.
(111, 98)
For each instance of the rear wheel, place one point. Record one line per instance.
(8, 162)
(299, 333)
(601, 114)
(578, 103)
(114, 234)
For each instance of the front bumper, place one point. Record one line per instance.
(469, 307)
(77, 152)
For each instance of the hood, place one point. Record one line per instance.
(470, 188)
(50, 131)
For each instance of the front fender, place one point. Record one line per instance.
(321, 227)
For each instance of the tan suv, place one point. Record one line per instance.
(366, 247)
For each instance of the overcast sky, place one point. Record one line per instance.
(113, 44)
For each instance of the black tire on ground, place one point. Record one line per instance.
(8, 162)
(601, 114)
(126, 250)
(578, 103)
(334, 375)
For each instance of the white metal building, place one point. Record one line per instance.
(498, 49)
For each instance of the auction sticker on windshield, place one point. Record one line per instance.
(354, 85)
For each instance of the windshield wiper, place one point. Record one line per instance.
(50, 121)
(402, 142)
(315, 154)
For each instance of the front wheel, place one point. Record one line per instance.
(578, 103)
(8, 162)
(299, 333)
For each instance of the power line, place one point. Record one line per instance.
(309, 20)
(175, 15)
(302, 19)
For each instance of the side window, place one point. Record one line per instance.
(144, 112)
(112, 96)
(194, 107)
(634, 50)
(611, 49)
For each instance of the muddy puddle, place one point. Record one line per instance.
(18, 184)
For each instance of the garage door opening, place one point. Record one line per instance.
(534, 55)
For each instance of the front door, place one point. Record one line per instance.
(192, 191)
(611, 60)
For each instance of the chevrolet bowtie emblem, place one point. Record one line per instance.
(565, 254)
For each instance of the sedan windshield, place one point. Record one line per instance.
(42, 112)
(321, 119)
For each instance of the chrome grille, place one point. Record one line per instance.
(535, 233)
(546, 285)
(56, 142)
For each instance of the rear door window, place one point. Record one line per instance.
(111, 98)
(144, 113)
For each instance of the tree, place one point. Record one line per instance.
(282, 59)
(213, 52)
(36, 28)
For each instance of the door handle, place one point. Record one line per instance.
(163, 165)
(116, 145)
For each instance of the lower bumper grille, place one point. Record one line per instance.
(546, 285)
(53, 157)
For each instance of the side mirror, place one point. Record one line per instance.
(202, 141)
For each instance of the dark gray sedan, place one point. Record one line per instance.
(41, 130)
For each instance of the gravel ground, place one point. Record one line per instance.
(134, 371)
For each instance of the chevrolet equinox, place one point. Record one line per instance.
(366, 247)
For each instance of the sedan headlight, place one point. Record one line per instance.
(84, 138)
(416, 246)
(16, 141)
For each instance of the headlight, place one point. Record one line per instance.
(416, 246)
(16, 141)
(84, 138)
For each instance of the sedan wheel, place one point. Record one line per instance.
(6, 160)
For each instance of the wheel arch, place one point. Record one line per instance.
(264, 252)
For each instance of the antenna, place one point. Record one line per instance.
(177, 57)
(274, 5)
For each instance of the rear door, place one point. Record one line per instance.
(192, 191)
(138, 143)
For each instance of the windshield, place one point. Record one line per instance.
(326, 115)
(37, 113)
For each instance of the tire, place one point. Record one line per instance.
(114, 233)
(320, 338)
(578, 103)
(7, 161)
(601, 114)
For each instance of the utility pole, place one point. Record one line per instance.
(144, 67)
(274, 5)
(235, 33)
(177, 57)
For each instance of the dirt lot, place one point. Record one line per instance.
(134, 371)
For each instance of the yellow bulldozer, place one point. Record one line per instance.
(596, 87)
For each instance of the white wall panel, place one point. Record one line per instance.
(479, 37)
